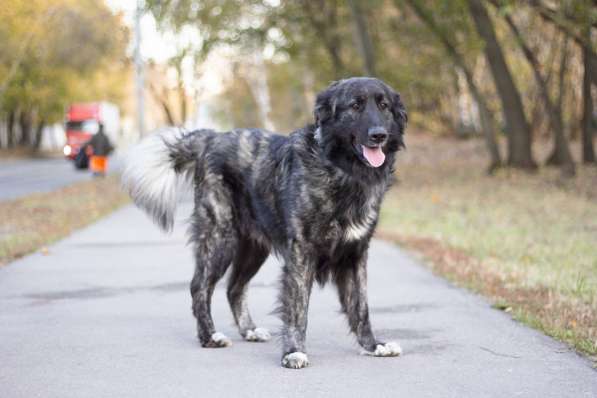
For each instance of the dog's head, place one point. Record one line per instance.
(360, 121)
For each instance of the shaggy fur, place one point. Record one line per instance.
(312, 197)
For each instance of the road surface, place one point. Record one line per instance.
(106, 313)
(23, 177)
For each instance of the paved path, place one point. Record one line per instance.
(107, 314)
(23, 177)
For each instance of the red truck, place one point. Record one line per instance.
(83, 121)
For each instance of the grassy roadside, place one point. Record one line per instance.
(9, 155)
(30, 223)
(528, 242)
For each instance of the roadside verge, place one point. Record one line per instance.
(30, 223)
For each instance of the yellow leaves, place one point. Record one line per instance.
(55, 49)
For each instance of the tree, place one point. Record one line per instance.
(487, 121)
(64, 51)
(212, 23)
(576, 19)
(561, 152)
(517, 127)
(363, 37)
(237, 102)
(573, 24)
(323, 17)
(167, 86)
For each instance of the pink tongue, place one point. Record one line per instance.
(374, 156)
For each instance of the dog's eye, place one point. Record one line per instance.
(383, 105)
(356, 106)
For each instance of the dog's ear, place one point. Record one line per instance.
(325, 104)
(399, 111)
(400, 118)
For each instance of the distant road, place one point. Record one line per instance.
(23, 177)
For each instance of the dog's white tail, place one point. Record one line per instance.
(155, 171)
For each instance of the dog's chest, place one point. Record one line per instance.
(352, 223)
(359, 222)
(341, 210)
(360, 227)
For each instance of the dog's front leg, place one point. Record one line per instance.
(352, 289)
(297, 280)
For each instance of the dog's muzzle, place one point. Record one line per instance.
(377, 136)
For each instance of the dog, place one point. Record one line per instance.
(312, 197)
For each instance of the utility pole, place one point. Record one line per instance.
(139, 81)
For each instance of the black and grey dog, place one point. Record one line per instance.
(313, 197)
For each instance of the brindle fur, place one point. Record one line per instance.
(311, 197)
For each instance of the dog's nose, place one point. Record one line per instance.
(378, 135)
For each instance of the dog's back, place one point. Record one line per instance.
(158, 167)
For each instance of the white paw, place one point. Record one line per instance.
(258, 335)
(295, 360)
(391, 349)
(221, 340)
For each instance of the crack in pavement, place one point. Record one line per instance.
(499, 354)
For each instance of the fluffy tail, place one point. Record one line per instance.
(156, 170)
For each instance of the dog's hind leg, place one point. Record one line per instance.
(216, 244)
(249, 258)
(352, 290)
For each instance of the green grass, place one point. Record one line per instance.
(532, 236)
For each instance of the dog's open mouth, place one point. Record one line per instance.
(374, 155)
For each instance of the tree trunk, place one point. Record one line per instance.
(363, 38)
(554, 113)
(38, 134)
(334, 52)
(163, 101)
(182, 95)
(538, 113)
(457, 122)
(487, 121)
(25, 124)
(168, 113)
(517, 127)
(561, 152)
(10, 130)
(588, 151)
(487, 124)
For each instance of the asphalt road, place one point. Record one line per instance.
(106, 313)
(23, 177)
